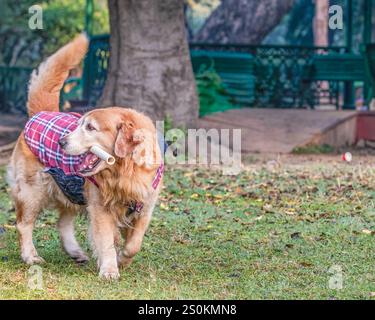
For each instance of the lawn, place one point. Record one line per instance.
(287, 229)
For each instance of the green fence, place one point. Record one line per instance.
(274, 76)
(95, 69)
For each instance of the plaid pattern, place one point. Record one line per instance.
(42, 134)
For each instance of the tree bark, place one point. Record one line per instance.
(320, 27)
(321, 23)
(243, 21)
(150, 68)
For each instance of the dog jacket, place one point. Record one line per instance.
(42, 134)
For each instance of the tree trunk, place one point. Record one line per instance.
(321, 23)
(150, 68)
(243, 21)
(320, 27)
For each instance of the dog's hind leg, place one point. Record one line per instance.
(26, 215)
(68, 239)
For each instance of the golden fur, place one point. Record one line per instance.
(128, 134)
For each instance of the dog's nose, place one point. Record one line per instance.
(62, 143)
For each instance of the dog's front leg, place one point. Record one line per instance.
(103, 230)
(134, 236)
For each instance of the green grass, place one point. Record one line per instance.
(314, 149)
(264, 234)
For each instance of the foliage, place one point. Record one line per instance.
(212, 94)
(62, 20)
(168, 123)
(268, 233)
(16, 39)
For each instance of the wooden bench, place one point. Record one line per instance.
(337, 67)
(236, 71)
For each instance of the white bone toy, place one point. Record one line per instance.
(109, 159)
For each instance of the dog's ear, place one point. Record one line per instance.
(139, 143)
(144, 153)
(125, 143)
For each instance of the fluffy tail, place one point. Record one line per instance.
(47, 81)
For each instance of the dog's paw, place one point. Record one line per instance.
(81, 259)
(124, 261)
(79, 256)
(30, 260)
(109, 274)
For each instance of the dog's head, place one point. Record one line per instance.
(122, 132)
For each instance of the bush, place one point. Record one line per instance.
(213, 96)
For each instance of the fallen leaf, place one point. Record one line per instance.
(367, 231)
(238, 190)
(295, 235)
(267, 208)
(305, 264)
(163, 206)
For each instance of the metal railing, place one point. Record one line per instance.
(281, 79)
(279, 72)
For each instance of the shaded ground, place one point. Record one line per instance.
(286, 227)
(274, 130)
(263, 130)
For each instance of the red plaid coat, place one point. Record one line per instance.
(42, 133)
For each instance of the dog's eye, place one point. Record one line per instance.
(90, 127)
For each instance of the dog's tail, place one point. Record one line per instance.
(47, 81)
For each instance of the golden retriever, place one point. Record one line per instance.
(127, 134)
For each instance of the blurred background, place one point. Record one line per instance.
(244, 54)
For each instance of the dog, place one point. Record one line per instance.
(119, 198)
